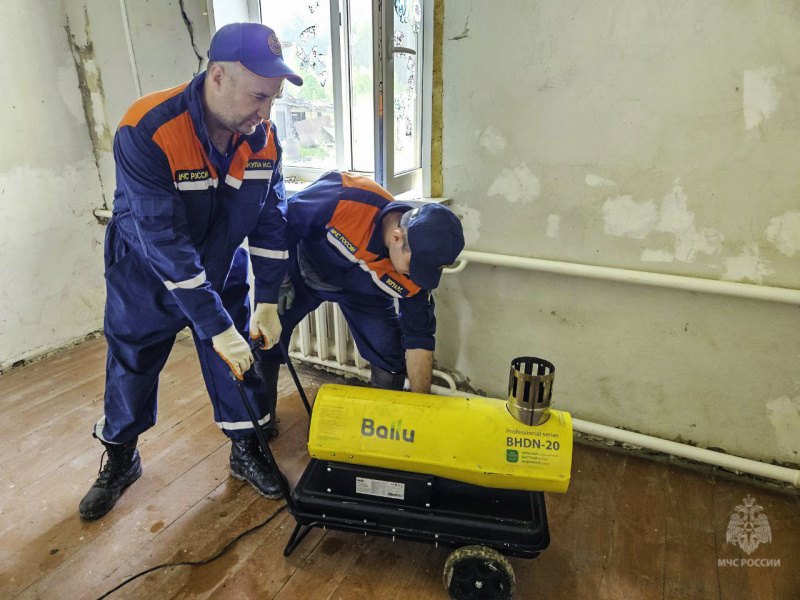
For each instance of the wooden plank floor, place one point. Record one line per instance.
(628, 528)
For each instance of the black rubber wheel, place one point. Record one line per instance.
(478, 573)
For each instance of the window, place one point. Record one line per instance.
(351, 69)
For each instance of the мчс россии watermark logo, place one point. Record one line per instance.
(748, 528)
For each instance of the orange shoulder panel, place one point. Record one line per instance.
(354, 220)
(269, 150)
(352, 180)
(243, 156)
(354, 223)
(385, 267)
(177, 139)
(146, 103)
(239, 161)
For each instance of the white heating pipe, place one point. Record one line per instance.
(678, 282)
(728, 461)
(736, 463)
(728, 288)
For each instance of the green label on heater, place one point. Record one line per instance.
(512, 455)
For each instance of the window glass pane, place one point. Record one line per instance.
(305, 117)
(407, 77)
(362, 115)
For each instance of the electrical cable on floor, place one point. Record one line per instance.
(199, 562)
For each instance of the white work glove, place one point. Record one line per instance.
(265, 323)
(234, 350)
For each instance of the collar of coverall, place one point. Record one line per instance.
(257, 139)
(376, 244)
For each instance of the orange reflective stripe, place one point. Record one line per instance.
(146, 103)
(352, 180)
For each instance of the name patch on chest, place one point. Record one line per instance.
(261, 164)
(194, 175)
(194, 179)
(259, 168)
(394, 285)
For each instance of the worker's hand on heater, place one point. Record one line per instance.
(285, 295)
(234, 350)
(265, 324)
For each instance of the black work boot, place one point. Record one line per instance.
(268, 388)
(122, 468)
(249, 464)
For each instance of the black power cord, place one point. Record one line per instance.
(199, 562)
(271, 433)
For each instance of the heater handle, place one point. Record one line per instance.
(262, 440)
(297, 383)
(255, 345)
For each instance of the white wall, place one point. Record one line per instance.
(160, 53)
(657, 136)
(50, 244)
(61, 104)
(166, 53)
(232, 11)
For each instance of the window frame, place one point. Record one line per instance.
(415, 182)
(383, 57)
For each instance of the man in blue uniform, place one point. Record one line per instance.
(350, 242)
(198, 171)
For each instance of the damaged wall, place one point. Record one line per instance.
(170, 39)
(168, 44)
(69, 90)
(651, 136)
(50, 244)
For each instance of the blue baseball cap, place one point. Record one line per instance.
(255, 46)
(436, 239)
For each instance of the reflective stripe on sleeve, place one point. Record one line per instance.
(196, 185)
(233, 182)
(265, 253)
(258, 174)
(188, 284)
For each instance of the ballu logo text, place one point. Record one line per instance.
(392, 432)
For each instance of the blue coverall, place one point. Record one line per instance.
(173, 256)
(337, 254)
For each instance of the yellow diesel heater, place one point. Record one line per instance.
(465, 472)
(482, 441)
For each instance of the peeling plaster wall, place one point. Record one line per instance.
(168, 39)
(68, 92)
(656, 136)
(93, 98)
(50, 244)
